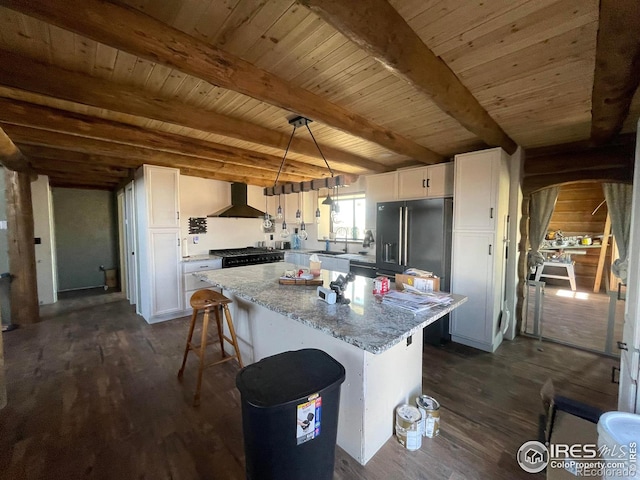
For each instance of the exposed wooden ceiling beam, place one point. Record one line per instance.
(617, 72)
(33, 136)
(69, 156)
(82, 178)
(380, 30)
(62, 183)
(10, 155)
(19, 72)
(60, 166)
(139, 34)
(27, 114)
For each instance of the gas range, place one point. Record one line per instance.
(236, 257)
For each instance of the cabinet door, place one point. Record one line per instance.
(476, 178)
(412, 183)
(166, 276)
(163, 196)
(379, 188)
(472, 275)
(439, 180)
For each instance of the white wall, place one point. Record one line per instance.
(200, 197)
(45, 251)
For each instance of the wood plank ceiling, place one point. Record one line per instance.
(91, 89)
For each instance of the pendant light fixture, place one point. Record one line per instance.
(317, 209)
(329, 182)
(279, 211)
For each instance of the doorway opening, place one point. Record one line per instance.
(86, 243)
(573, 299)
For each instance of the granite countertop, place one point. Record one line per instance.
(365, 323)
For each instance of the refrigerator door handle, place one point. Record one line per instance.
(405, 238)
(400, 240)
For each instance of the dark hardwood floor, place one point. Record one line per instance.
(93, 394)
(577, 318)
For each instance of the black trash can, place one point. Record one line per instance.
(290, 404)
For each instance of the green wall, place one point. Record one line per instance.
(86, 236)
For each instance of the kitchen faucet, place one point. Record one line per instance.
(346, 237)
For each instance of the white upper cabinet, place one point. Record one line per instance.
(480, 176)
(379, 188)
(430, 182)
(163, 196)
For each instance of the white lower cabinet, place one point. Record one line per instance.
(472, 322)
(192, 283)
(166, 284)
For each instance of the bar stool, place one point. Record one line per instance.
(208, 300)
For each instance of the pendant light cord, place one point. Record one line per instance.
(318, 147)
(285, 156)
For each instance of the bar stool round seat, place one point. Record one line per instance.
(209, 300)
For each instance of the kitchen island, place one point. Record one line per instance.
(380, 346)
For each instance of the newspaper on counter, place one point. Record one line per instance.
(416, 301)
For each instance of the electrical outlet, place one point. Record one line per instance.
(196, 240)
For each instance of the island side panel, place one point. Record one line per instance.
(391, 378)
(262, 333)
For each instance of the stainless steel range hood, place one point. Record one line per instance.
(239, 207)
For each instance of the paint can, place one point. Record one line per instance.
(430, 415)
(408, 427)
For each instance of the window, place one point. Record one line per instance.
(348, 221)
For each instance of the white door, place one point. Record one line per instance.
(628, 399)
(130, 242)
(122, 246)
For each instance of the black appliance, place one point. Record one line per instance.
(239, 207)
(417, 234)
(237, 257)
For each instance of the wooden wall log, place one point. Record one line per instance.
(533, 183)
(3, 380)
(132, 31)
(22, 256)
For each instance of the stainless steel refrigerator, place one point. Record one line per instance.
(416, 234)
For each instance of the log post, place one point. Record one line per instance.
(3, 382)
(22, 255)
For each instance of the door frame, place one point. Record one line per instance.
(628, 398)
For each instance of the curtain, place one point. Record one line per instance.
(541, 205)
(618, 197)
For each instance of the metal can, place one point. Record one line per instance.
(408, 427)
(430, 415)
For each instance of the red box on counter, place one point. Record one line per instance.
(380, 285)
